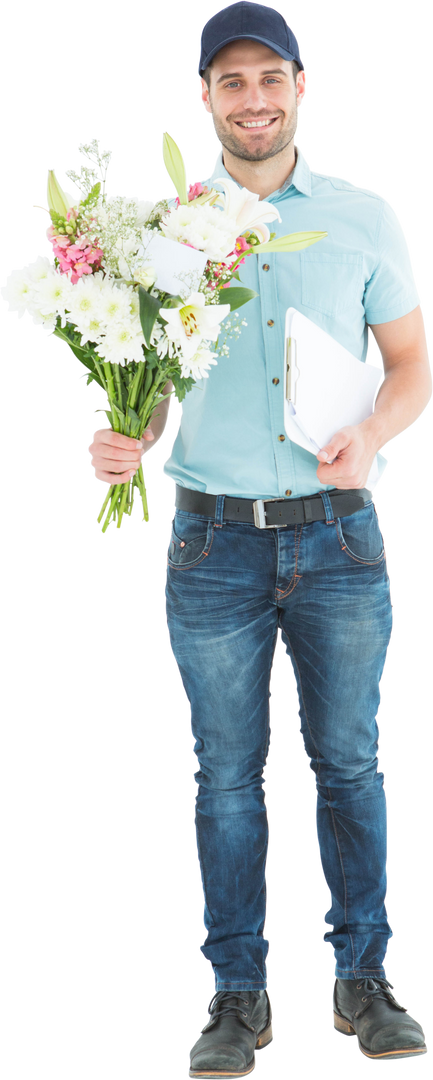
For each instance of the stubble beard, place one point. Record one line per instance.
(239, 147)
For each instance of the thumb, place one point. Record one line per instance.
(327, 454)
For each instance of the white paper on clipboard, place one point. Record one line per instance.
(325, 388)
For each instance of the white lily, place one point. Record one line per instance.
(174, 164)
(248, 213)
(190, 324)
(246, 209)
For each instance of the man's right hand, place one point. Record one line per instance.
(117, 457)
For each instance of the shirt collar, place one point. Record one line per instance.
(300, 177)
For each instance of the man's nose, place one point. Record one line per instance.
(254, 99)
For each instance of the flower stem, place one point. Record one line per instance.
(235, 265)
(113, 509)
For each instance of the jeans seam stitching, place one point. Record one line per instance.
(291, 586)
(345, 882)
(305, 707)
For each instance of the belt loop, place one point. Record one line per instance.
(329, 514)
(308, 514)
(219, 511)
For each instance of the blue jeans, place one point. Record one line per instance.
(229, 587)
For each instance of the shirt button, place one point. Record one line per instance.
(270, 322)
(281, 438)
(266, 266)
(275, 381)
(288, 492)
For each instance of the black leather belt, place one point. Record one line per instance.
(270, 513)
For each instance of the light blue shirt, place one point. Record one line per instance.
(228, 440)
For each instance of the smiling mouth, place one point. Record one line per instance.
(256, 124)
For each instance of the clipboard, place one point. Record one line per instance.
(325, 387)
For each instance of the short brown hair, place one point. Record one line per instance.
(206, 74)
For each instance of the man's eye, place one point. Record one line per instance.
(237, 83)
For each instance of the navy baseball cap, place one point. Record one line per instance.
(245, 20)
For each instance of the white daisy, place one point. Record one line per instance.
(121, 344)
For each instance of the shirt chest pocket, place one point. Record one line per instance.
(333, 283)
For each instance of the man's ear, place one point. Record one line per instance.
(203, 95)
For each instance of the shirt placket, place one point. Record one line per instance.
(273, 337)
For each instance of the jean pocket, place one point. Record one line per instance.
(360, 536)
(191, 540)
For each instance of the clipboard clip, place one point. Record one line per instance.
(290, 365)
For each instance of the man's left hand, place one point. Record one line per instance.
(352, 452)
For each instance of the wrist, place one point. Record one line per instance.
(156, 423)
(373, 428)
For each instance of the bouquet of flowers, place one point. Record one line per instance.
(140, 292)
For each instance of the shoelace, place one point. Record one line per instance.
(376, 988)
(231, 1009)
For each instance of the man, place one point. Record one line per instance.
(318, 570)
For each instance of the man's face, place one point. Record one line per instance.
(251, 84)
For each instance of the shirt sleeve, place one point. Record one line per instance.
(390, 292)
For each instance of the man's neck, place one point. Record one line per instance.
(260, 186)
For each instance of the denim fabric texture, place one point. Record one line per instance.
(230, 587)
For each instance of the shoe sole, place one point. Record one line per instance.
(229, 1075)
(264, 1038)
(346, 1028)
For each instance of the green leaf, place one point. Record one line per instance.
(132, 414)
(92, 196)
(172, 302)
(149, 308)
(181, 386)
(147, 382)
(82, 354)
(236, 297)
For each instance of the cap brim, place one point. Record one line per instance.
(251, 37)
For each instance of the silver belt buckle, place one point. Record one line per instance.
(260, 513)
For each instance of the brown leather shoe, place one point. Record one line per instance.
(240, 1023)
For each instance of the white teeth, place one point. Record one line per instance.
(256, 123)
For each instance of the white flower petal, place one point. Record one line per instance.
(245, 206)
